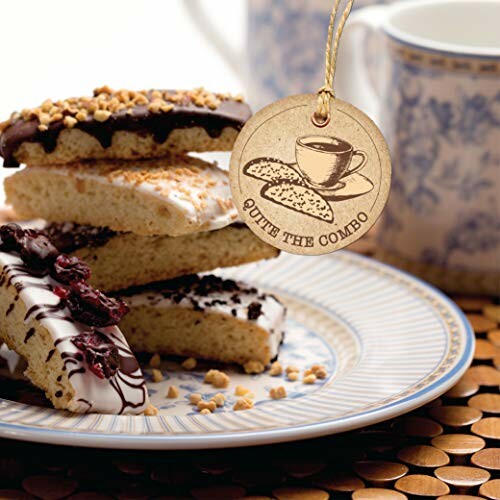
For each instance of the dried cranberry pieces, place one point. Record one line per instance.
(100, 353)
(37, 251)
(61, 292)
(92, 307)
(69, 269)
(11, 236)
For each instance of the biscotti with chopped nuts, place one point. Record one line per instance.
(206, 317)
(156, 258)
(173, 196)
(122, 124)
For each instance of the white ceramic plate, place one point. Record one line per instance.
(389, 341)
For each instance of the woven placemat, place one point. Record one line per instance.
(447, 449)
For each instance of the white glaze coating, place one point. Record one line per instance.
(100, 394)
(272, 318)
(198, 195)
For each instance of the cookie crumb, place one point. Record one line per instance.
(278, 392)
(243, 404)
(173, 392)
(219, 399)
(293, 376)
(217, 378)
(241, 390)
(157, 375)
(155, 361)
(253, 367)
(151, 411)
(276, 369)
(189, 364)
(206, 405)
(194, 398)
(309, 379)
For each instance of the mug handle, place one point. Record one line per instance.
(353, 81)
(357, 168)
(195, 9)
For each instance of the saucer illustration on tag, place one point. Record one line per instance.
(308, 189)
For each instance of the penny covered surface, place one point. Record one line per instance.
(447, 449)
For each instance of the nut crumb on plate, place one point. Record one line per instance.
(173, 392)
(309, 379)
(278, 392)
(241, 390)
(151, 411)
(291, 369)
(219, 399)
(205, 411)
(206, 405)
(253, 367)
(293, 376)
(157, 375)
(217, 378)
(194, 398)
(155, 361)
(243, 404)
(276, 369)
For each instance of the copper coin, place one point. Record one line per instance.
(471, 303)
(49, 487)
(484, 350)
(218, 491)
(418, 427)
(494, 337)
(379, 471)
(466, 386)
(300, 494)
(487, 402)
(489, 458)
(461, 476)
(481, 324)
(456, 416)
(484, 375)
(488, 428)
(492, 312)
(491, 489)
(422, 455)
(338, 481)
(420, 485)
(458, 444)
(378, 494)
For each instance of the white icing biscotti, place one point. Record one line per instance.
(64, 330)
(173, 196)
(205, 317)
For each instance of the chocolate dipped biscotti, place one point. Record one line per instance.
(155, 258)
(122, 124)
(205, 317)
(173, 196)
(65, 329)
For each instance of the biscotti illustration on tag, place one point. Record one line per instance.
(299, 198)
(308, 187)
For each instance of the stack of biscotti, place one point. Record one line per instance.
(113, 177)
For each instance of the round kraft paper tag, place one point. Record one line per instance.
(308, 189)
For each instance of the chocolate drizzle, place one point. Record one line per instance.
(229, 113)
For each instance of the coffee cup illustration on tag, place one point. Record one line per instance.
(323, 161)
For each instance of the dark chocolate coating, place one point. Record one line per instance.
(229, 113)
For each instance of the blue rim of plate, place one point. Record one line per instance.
(271, 435)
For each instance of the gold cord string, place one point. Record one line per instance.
(326, 92)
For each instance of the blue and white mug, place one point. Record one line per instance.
(438, 103)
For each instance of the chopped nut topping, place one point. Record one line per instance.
(194, 398)
(217, 378)
(107, 101)
(155, 361)
(157, 375)
(293, 376)
(241, 390)
(276, 369)
(253, 367)
(206, 405)
(291, 368)
(243, 404)
(173, 392)
(151, 411)
(189, 364)
(277, 392)
(219, 399)
(309, 379)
